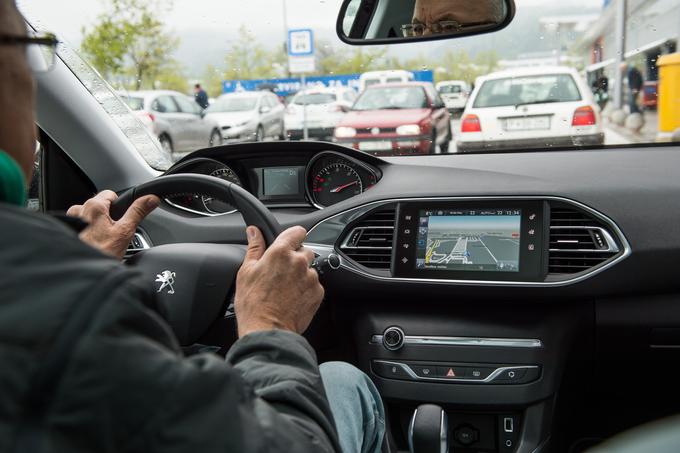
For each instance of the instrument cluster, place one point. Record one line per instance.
(323, 180)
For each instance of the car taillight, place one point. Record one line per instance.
(471, 123)
(151, 117)
(584, 116)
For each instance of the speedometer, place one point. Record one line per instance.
(213, 205)
(334, 183)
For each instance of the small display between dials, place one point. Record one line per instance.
(213, 205)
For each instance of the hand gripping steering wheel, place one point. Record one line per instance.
(193, 281)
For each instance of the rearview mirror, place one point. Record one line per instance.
(393, 21)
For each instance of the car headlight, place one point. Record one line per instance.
(345, 132)
(408, 129)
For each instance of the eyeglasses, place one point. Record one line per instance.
(447, 26)
(41, 49)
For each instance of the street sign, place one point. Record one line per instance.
(301, 57)
(300, 43)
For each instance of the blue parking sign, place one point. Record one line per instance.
(300, 42)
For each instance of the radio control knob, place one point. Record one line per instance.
(393, 338)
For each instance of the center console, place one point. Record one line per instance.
(451, 313)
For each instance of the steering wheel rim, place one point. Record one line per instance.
(253, 211)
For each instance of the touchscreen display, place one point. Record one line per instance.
(469, 240)
(279, 181)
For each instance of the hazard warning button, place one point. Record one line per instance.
(451, 372)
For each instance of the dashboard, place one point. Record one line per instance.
(314, 180)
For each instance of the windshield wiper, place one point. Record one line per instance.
(542, 101)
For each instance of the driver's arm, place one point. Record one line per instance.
(267, 396)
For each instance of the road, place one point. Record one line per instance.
(472, 250)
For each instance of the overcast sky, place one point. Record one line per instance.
(67, 17)
(206, 27)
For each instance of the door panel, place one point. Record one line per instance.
(198, 130)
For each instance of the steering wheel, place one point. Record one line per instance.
(193, 281)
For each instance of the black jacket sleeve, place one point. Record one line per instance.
(128, 388)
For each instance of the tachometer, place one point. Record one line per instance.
(334, 183)
(214, 206)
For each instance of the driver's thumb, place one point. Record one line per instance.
(256, 245)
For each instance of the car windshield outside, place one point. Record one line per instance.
(233, 104)
(314, 98)
(389, 98)
(134, 103)
(450, 89)
(527, 90)
(607, 59)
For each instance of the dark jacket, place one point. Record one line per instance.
(127, 386)
(634, 79)
(202, 99)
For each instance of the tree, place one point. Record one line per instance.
(130, 42)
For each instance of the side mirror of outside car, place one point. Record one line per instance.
(363, 22)
(264, 109)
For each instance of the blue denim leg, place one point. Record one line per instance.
(357, 408)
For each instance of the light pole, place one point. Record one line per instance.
(620, 37)
(285, 33)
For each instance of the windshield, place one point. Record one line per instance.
(134, 103)
(314, 98)
(567, 60)
(379, 98)
(527, 90)
(450, 89)
(233, 104)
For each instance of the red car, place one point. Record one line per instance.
(397, 119)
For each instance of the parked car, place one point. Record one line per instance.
(179, 123)
(530, 107)
(370, 78)
(248, 116)
(397, 119)
(454, 93)
(324, 107)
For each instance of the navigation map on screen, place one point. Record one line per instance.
(469, 240)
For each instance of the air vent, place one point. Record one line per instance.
(137, 244)
(578, 242)
(369, 242)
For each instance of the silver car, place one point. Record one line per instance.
(179, 123)
(248, 116)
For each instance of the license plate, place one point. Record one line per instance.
(527, 124)
(375, 146)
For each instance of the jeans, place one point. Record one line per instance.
(356, 406)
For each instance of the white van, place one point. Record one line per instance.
(377, 77)
(454, 93)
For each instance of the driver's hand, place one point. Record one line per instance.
(276, 288)
(103, 232)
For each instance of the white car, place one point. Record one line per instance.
(248, 116)
(535, 107)
(324, 107)
(454, 93)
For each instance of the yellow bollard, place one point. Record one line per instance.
(669, 93)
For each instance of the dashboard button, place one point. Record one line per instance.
(511, 375)
(451, 372)
(390, 370)
(425, 371)
(478, 373)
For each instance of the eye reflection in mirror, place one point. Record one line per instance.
(389, 21)
(431, 17)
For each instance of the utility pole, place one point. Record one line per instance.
(620, 59)
(285, 33)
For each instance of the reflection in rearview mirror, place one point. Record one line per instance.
(390, 21)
